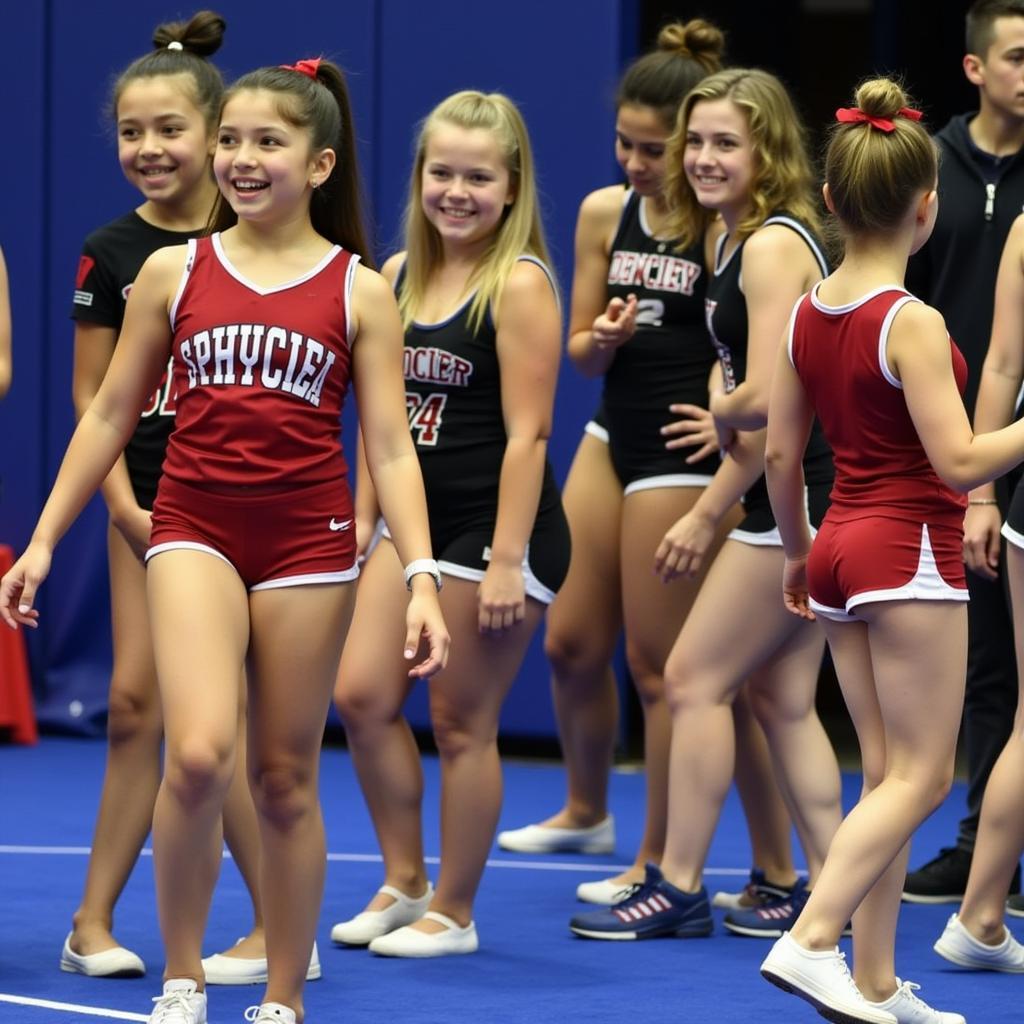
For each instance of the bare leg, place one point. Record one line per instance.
(1001, 832)
(465, 702)
(908, 661)
(730, 632)
(297, 634)
(655, 612)
(782, 695)
(583, 624)
(767, 817)
(132, 776)
(371, 689)
(194, 596)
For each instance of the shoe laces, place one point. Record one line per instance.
(844, 971)
(173, 1008)
(632, 893)
(906, 992)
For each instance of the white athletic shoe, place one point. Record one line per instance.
(599, 838)
(959, 946)
(270, 1013)
(179, 1004)
(909, 1009)
(605, 893)
(411, 942)
(362, 929)
(823, 979)
(234, 970)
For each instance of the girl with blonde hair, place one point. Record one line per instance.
(483, 325)
(738, 152)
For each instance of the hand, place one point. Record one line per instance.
(135, 525)
(501, 598)
(794, 588)
(696, 430)
(615, 326)
(424, 622)
(684, 546)
(365, 530)
(982, 524)
(19, 585)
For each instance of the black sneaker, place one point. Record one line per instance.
(944, 879)
(1015, 905)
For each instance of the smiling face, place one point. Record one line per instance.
(466, 185)
(163, 144)
(719, 157)
(264, 165)
(640, 141)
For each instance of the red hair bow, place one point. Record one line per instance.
(854, 115)
(304, 67)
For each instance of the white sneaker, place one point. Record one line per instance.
(235, 970)
(179, 1004)
(411, 942)
(824, 980)
(270, 1013)
(959, 946)
(599, 838)
(111, 963)
(909, 1009)
(367, 926)
(605, 893)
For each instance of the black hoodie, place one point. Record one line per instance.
(955, 271)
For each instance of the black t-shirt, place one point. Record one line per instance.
(111, 259)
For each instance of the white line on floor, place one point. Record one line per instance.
(89, 1011)
(375, 858)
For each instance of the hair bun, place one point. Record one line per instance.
(881, 97)
(202, 34)
(695, 38)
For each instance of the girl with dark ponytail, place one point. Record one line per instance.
(252, 555)
(165, 106)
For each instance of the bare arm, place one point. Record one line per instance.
(528, 333)
(789, 426)
(919, 355)
(391, 457)
(6, 366)
(597, 326)
(104, 427)
(777, 269)
(94, 349)
(999, 384)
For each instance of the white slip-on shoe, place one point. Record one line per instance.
(908, 1008)
(822, 979)
(270, 1013)
(959, 946)
(367, 926)
(235, 970)
(605, 893)
(599, 838)
(111, 963)
(411, 942)
(179, 1004)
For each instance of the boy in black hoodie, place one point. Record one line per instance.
(981, 192)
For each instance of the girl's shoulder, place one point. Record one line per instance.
(392, 267)
(603, 206)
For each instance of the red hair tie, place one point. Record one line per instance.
(304, 67)
(854, 115)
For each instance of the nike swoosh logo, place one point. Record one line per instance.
(335, 525)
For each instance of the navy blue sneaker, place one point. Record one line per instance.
(772, 919)
(654, 909)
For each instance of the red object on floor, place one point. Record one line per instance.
(16, 713)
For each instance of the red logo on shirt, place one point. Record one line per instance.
(85, 264)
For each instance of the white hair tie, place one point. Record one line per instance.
(175, 45)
